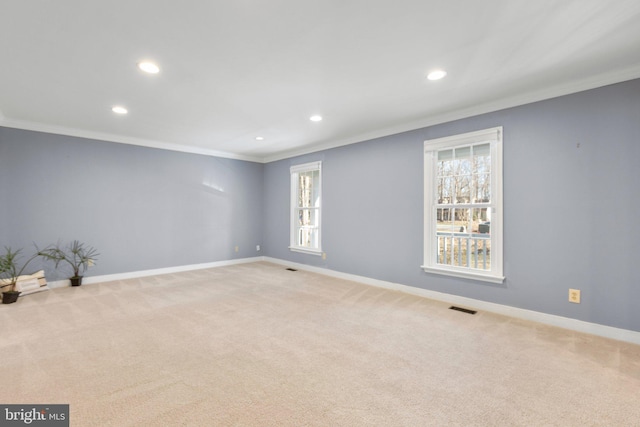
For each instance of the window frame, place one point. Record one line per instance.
(493, 136)
(294, 171)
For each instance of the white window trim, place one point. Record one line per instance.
(494, 136)
(306, 167)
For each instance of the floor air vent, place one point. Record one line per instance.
(292, 269)
(464, 310)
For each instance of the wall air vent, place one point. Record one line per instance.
(464, 310)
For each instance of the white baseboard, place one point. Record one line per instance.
(536, 316)
(144, 273)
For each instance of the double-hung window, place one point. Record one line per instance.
(306, 185)
(463, 205)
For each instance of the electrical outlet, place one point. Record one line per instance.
(324, 255)
(257, 247)
(237, 248)
(574, 296)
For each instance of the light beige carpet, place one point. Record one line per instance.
(257, 345)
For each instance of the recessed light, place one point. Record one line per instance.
(259, 138)
(119, 110)
(315, 118)
(436, 74)
(149, 67)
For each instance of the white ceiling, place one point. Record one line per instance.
(235, 70)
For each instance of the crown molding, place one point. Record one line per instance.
(121, 139)
(589, 83)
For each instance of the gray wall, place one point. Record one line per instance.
(4, 211)
(570, 203)
(142, 208)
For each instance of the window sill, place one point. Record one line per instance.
(464, 274)
(316, 252)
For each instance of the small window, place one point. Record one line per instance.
(306, 184)
(463, 205)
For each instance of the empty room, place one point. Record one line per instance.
(344, 213)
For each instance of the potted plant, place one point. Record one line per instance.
(10, 271)
(76, 254)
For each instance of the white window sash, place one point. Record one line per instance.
(295, 170)
(492, 136)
